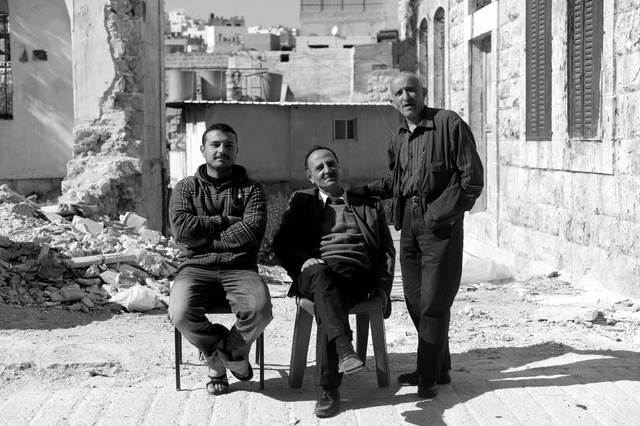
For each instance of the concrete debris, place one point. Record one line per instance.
(55, 257)
(87, 226)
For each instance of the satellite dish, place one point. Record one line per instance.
(334, 30)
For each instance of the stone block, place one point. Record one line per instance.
(87, 226)
(67, 294)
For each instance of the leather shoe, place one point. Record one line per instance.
(427, 390)
(348, 360)
(329, 402)
(411, 379)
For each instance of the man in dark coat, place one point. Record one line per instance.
(436, 175)
(338, 250)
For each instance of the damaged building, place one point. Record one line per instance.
(86, 103)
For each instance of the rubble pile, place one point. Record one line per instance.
(56, 257)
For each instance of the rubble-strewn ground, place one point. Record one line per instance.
(51, 343)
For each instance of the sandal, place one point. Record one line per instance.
(246, 378)
(218, 385)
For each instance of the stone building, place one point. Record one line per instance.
(551, 91)
(347, 17)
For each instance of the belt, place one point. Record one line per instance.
(415, 200)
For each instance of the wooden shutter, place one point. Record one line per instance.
(538, 105)
(585, 51)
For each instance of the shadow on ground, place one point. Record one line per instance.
(476, 374)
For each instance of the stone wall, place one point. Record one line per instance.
(119, 149)
(564, 204)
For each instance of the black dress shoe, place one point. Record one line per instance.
(411, 379)
(329, 402)
(348, 360)
(427, 390)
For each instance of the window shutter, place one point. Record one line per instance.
(539, 70)
(585, 50)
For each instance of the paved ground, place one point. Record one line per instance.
(599, 388)
(54, 374)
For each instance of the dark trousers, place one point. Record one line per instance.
(431, 264)
(334, 288)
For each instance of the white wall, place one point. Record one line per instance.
(38, 141)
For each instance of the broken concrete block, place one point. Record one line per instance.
(109, 277)
(565, 314)
(87, 302)
(87, 226)
(67, 294)
(24, 209)
(134, 221)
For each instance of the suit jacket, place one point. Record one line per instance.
(299, 235)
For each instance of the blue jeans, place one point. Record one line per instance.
(431, 264)
(195, 290)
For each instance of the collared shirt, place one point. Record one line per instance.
(324, 196)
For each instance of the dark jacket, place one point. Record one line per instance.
(452, 176)
(199, 215)
(299, 235)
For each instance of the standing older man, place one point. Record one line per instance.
(338, 250)
(436, 175)
(219, 216)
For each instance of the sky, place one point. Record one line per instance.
(255, 12)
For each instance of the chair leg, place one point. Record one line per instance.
(260, 351)
(300, 347)
(380, 348)
(362, 336)
(178, 355)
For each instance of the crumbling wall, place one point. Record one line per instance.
(118, 153)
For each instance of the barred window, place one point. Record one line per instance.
(538, 81)
(584, 62)
(6, 86)
(344, 129)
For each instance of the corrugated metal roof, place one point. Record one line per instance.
(277, 103)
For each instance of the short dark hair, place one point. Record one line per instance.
(314, 149)
(221, 127)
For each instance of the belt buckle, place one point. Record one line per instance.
(415, 200)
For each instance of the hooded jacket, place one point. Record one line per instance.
(200, 216)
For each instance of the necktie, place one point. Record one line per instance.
(334, 200)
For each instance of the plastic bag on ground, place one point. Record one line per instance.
(475, 270)
(136, 298)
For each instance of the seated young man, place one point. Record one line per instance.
(219, 216)
(338, 250)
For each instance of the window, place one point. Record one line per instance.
(584, 56)
(6, 87)
(344, 129)
(538, 81)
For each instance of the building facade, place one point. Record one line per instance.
(347, 17)
(550, 91)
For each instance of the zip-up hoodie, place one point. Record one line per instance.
(200, 216)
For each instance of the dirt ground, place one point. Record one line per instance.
(51, 349)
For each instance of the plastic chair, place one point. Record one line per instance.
(219, 310)
(369, 311)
